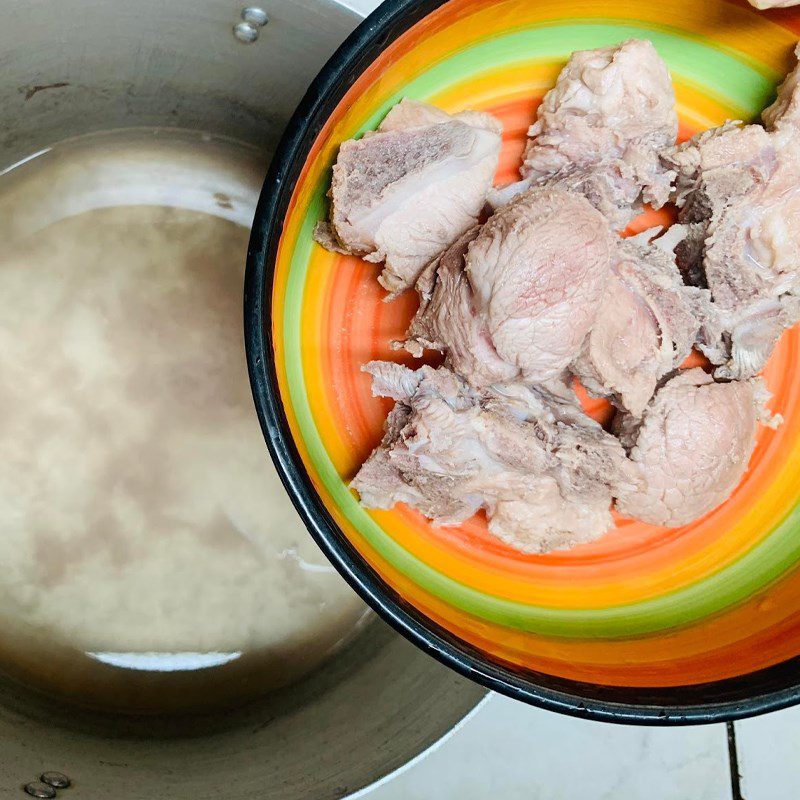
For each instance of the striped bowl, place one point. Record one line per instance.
(648, 624)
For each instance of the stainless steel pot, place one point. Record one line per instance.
(74, 67)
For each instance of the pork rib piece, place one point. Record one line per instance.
(739, 192)
(401, 195)
(599, 130)
(517, 296)
(692, 446)
(543, 471)
(646, 326)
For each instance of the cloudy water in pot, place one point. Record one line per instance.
(150, 557)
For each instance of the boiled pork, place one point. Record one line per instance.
(600, 129)
(403, 194)
(738, 187)
(544, 472)
(516, 297)
(447, 320)
(692, 446)
(645, 328)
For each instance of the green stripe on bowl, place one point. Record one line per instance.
(730, 78)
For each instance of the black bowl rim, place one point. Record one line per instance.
(651, 706)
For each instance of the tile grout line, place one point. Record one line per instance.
(733, 760)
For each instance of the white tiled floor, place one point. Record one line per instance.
(769, 755)
(512, 752)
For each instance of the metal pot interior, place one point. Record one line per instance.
(73, 68)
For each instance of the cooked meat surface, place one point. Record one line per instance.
(544, 472)
(545, 292)
(404, 193)
(517, 296)
(692, 446)
(739, 192)
(447, 320)
(646, 326)
(604, 102)
(765, 4)
(599, 130)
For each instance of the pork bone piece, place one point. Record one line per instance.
(543, 471)
(599, 132)
(404, 193)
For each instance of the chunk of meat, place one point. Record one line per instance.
(604, 102)
(537, 270)
(600, 129)
(718, 163)
(739, 192)
(750, 252)
(763, 5)
(517, 296)
(692, 446)
(403, 194)
(646, 327)
(544, 472)
(447, 321)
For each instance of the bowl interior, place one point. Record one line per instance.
(704, 619)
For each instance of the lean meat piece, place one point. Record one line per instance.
(404, 193)
(543, 471)
(646, 326)
(516, 297)
(739, 192)
(447, 320)
(600, 129)
(692, 446)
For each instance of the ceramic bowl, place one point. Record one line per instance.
(648, 624)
